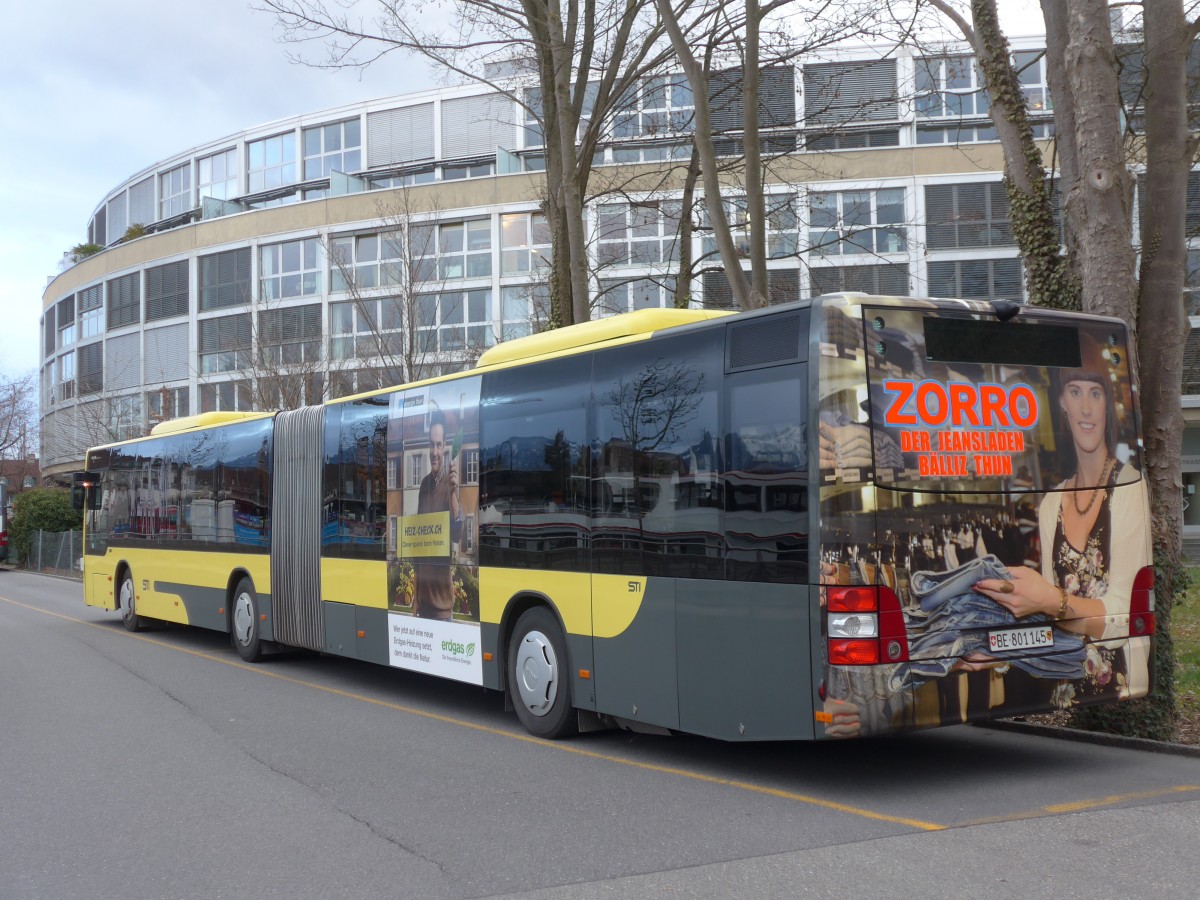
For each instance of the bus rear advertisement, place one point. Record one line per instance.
(851, 516)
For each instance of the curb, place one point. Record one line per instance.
(1093, 737)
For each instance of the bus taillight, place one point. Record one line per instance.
(865, 626)
(1141, 603)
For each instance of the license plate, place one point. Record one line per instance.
(1021, 638)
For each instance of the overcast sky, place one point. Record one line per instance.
(94, 92)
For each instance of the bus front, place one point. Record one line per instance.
(984, 524)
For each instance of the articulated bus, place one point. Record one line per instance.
(848, 516)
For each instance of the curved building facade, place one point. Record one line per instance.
(337, 251)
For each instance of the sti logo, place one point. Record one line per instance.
(959, 403)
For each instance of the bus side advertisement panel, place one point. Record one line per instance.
(432, 552)
(986, 475)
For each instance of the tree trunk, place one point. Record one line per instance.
(1066, 153)
(1105, 187)
(687, 208)
(560, 60)
(756, 217)
(1031, 210)
(702, 139)
(1161, 313)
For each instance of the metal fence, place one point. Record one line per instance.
(56, 553)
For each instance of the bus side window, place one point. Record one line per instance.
(534, 462)
(657, 480)
(766, 475)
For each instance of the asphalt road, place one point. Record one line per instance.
(160, 765)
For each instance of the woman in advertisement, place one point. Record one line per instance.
(1093, 534)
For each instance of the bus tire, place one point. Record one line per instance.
(129, 617)
(538, 676)
(244, 622)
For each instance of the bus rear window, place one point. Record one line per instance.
(992, 342)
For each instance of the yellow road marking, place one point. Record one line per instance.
(1080, 805)
(499, 732)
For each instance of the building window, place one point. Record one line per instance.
(91, 312)
(65, 375)
(175, 191)
(167, 291)
(524, 243)
(290, 336)
(225, 343)
(49, 333)
(852, 222)
(964, 134)
(516, 305)
(454, 321)
(366, 261)
(271, 162)
(452, 250)
(468, 170)
(782, 227)
(415, 464)
(884, 280)
(424, 175)
(366, 328)
(967, 215)
(638, 234)
(626, 295)
(124, 300)
(333, 147)
(470, 473)
(167, 403)
(289, 270)
(976, 279)
(840, 94)
(89, 369)
(638, 153)
(125, 417)
(225, 279)
(217, 175)
(65, 314)
(949, 86)
(1031, 72)
(531, 118)
(656, 106)
(226, 396)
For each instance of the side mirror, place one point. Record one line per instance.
(85, 490)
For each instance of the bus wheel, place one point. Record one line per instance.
(537, 676)
(245, 630)
(129, 617)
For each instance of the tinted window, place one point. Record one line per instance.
(360, 496)
(766, 476)
(656, 492)
(195, 491)
(533, 503)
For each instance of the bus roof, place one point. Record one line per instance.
(643, 322)
(203, 420)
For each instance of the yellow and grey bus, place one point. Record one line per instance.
(847, 516)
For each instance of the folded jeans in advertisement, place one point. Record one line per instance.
(953, 621)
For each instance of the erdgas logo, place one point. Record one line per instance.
(456, 649)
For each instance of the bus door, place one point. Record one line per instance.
(743, 641)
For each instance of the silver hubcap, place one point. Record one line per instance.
(537, 673)
(243, 618)
(127, 598)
